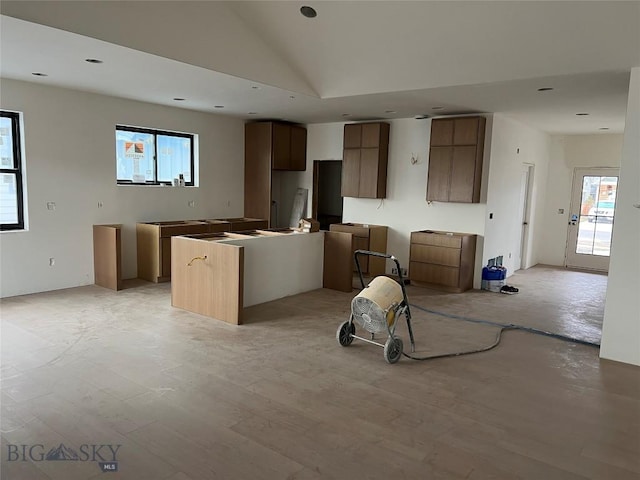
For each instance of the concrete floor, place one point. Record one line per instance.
(188, 397)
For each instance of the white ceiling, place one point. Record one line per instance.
(385, 59)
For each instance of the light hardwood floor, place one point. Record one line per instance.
(190, 398)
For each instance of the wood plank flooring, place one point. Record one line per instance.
(190, 398)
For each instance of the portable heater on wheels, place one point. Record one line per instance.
(377, 309)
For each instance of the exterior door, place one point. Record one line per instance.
(591, 218)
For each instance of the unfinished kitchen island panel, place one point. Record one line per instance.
(210, 279)
(207, 276)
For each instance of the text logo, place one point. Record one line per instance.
(104, 454)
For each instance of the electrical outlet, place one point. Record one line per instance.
(192, 203)
(51, 205)
(99, 204)
(52, 261)
(404, 272)
(394, 271)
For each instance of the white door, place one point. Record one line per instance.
(525, 201)
(591, 218)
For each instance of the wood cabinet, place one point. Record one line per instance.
(154, 241)
(442, 260)
(455, 159)
(288, 147)
(366, 237)
(268, 147)
(107, 256)
(364, 161)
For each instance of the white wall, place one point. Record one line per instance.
(276, 267)
(621, 327)
(405, 209)
(568, 153)
(70, 160)
(512, 145)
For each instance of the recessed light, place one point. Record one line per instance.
(545, 89)
(308, 12)
(603, 128)
(389, 111)
(39, 74)
(178, 99)
(252, 113)
(421, 117)
(437, 108)
(255, 87)
(93, 60)
(218, 106)
(582, 114)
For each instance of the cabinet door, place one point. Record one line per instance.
(441, 132)
(370, 135)
(281, 154)
(463, 167)
(465, 131)
(298, 148)
(439, 174)
(369, 172)
(351, 172)
(352, 135)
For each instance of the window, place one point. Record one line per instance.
(11, 172)
(153, 157)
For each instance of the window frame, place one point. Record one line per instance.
(17, 170)
(155, 133)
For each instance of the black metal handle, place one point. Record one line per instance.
(376, 254)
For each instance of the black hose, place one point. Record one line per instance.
(502, 326)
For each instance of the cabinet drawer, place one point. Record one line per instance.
(183, 228)
(437, 274)
(438, 255)
(355, 229)
(436, 239)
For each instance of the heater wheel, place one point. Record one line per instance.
(345, 332)
(392, 349)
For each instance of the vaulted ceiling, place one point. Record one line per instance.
(355, 60)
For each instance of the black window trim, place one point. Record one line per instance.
(155, 133)
(16, 170)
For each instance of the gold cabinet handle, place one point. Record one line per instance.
(204, 257)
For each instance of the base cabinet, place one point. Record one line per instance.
(442, 260)
(366, 237)
(153, 241)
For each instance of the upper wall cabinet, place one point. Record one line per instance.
(288, 147)
(455, 159)
(364, 163)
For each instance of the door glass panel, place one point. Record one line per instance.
(597, 208)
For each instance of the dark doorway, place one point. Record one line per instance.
(327, 198)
